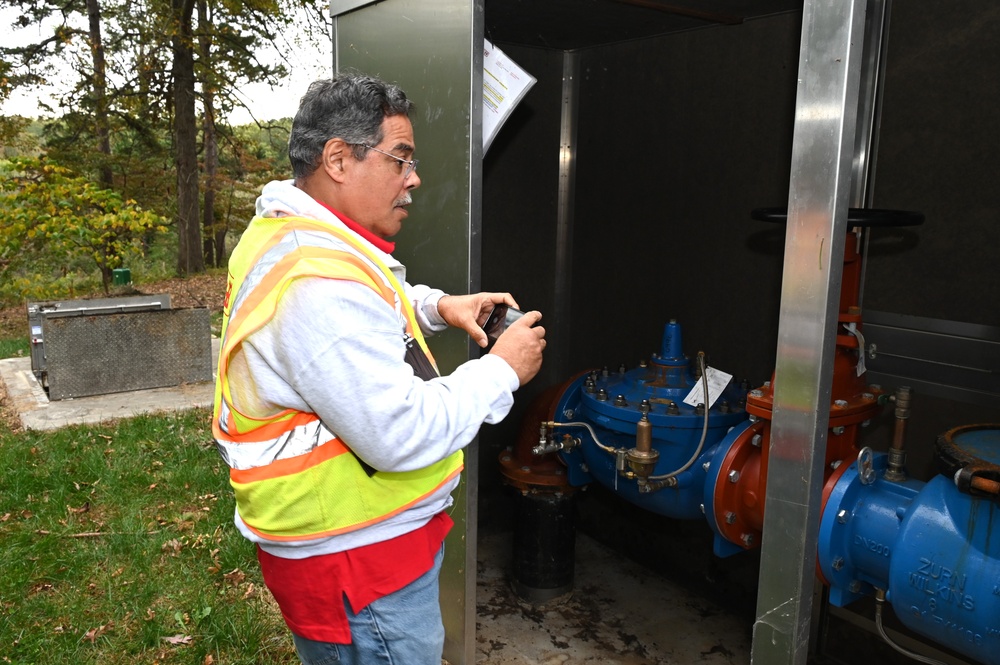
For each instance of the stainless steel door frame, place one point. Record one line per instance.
(820, 185)
(434, 50)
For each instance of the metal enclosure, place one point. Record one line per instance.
(635, 160)
(109, 353)
(434, 50)
(39, 311)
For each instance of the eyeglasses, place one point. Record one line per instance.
(411, 164)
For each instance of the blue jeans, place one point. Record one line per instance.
(403, 628)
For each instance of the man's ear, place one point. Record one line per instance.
(337, 154)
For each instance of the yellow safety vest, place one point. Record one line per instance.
(293, 478)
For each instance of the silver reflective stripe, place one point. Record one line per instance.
(298, 441)
(223, 419)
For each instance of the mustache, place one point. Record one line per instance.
(403, 200)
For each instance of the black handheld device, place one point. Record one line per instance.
(498, 320)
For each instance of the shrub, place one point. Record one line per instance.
(55, 227)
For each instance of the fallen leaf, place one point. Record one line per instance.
(173, 546)
(94, 633)
(209, 659)
(82, 509)
(177, 639)
(235, 577)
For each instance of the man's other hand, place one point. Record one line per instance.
(521, 346)
(470, 312)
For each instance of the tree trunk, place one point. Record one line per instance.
(189, 250)
(223, 228)
(101, 129)
(106, 276)
(214, 252)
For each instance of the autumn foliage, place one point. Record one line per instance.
(56, 226)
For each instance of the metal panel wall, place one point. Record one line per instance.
(434, 50)
(522, 174)
(938, 155)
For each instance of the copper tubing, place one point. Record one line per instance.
(902, 399)
(896, 472)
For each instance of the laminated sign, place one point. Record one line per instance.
(504, 85)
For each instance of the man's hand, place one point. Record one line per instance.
(521, 346)
(470, 312)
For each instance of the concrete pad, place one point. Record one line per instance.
(36, 412)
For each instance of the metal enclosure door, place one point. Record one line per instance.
(434, 50)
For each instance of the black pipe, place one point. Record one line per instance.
(544, 546)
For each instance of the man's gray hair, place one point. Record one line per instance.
(351, 106)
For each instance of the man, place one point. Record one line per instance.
(344, 446)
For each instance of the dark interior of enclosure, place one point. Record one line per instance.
(678, 137)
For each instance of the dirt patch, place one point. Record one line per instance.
(8, 415)
(13, 322)
(206, 290)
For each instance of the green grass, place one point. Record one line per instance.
(15, 348)
(117, 546)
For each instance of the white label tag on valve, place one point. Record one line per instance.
(717, 382)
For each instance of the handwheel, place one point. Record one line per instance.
(855, 216)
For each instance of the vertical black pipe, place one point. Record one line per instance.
(544, 546)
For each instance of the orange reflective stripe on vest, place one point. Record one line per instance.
(272, 508)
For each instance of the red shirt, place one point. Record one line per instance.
(386, 246)
(308, 590)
